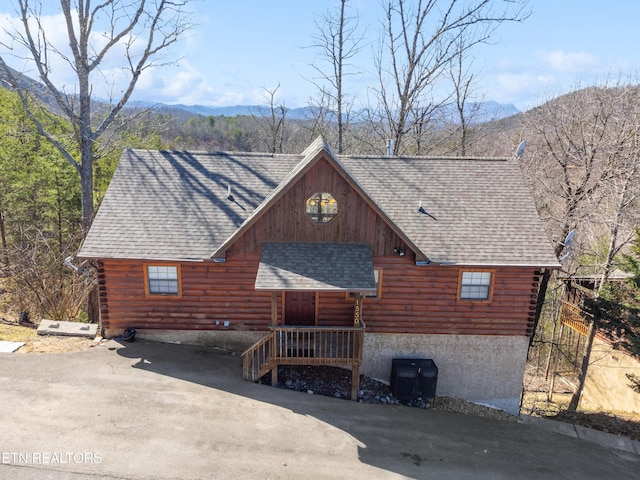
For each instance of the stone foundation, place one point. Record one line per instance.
(235, 340)
(482, 369)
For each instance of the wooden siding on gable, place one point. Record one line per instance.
(415, 300)
(287, 220)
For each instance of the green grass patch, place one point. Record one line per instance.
(15, 333)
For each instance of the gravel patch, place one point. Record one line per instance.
(336, 382)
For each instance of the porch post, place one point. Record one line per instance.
(357, 345)
(274, 308)
(284, 319)
(355, 381)
(357, 309)
(274, 322)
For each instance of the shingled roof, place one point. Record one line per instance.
(173, 205)
(293, 266)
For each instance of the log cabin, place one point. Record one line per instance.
(324, 259)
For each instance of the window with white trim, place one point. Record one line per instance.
(475, 285)
(163, 280)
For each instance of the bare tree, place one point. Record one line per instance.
(319, 120)
(426, 119)
(338, 39)
(586, 176)
(582, 162)
(40, 283)
(274, 132)
(138, 31)
(422, 37)
(462, 80)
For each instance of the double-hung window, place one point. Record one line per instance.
(163, 280)
(475, 285)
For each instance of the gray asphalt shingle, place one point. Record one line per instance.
(484, 212)
(173, 205)
(316, 266)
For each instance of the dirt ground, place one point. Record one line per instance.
(35, 343)
(336, 382)
(51, 344)
(536, 402)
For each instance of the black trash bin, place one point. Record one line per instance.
(427, 380)
(404, 382)
(413, 378)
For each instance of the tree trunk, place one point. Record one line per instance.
(93, 305)
(586, 358)
(86, 179)
(339, 76)
(3, 239)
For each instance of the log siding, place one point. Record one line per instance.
(415, 300)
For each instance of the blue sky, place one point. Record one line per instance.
(243, 48)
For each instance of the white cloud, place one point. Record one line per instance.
(59, 54)
(564, 62)
(520, 88)
(227, 99)
(180, 84)
(187, 84)
(109, 80)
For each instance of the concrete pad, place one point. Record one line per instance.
(605, 439)
(158, 411)
(8, 347)
(550, 425)
(69, 329)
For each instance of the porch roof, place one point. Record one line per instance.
(316, 266)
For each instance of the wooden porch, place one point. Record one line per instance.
(301, 345)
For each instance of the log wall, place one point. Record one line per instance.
(415, 300)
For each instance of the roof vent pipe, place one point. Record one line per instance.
(389, 148)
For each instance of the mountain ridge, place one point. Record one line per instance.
(477, 112)
(482, 111)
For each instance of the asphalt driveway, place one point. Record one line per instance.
(158, 411)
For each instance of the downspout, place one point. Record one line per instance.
(80, 270)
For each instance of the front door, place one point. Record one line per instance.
(300, 308)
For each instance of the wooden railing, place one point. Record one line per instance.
(574, 317)
(255, 360)
(297, 345)
(317, 345)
